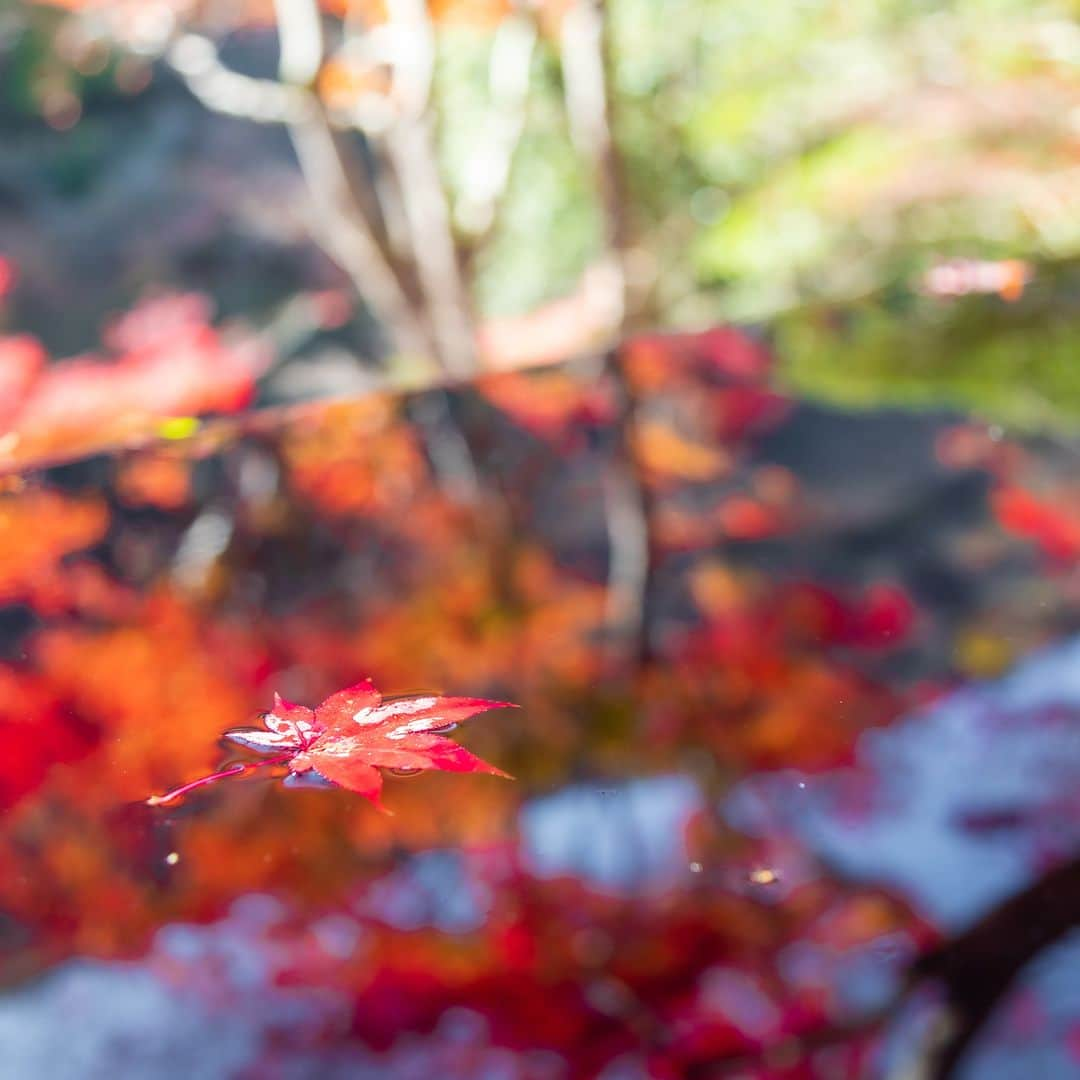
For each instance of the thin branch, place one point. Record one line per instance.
(448, 448)
(411, 149)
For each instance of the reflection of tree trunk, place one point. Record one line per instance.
(631, 543)
(348, 235)
(410, 146)
(978, 968)
(438, 323)
(449, 452)
(585, 55)
(975, 970)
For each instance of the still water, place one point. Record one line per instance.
(800, 704)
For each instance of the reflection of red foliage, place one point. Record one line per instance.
(742, 411)
(154, 480)
(1026, 501)
(670, 983)
(746, 519)
(884, 618)
(724, 352)
(7, 276)
(36, 734)
(348, 556)
(36, 531)
(551, 404)
(1055, 527)
(167, 361)
(760, 677)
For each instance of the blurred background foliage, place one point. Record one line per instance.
(799, 165)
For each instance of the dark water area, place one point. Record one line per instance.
(800, 719)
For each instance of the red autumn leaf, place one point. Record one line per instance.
(354, 733)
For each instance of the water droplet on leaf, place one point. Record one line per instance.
(308, 779)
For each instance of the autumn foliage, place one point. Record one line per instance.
(162, 359)
(286, 553)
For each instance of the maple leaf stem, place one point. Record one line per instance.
(238, 769)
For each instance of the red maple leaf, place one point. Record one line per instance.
(351, 735)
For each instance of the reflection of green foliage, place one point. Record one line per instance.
(548, 228)
(778, 156)
(778, 152)
(783, 158)
(1016, 363)
(852, 140)
(32, 65)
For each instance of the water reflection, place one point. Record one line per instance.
(901, 817)
(712, 602)
(624, 837)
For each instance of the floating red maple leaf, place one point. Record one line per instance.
(351, 735)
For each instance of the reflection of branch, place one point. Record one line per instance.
(195, 59)
(428, 219)
(631, 546)
(628, 558)
(410, 147)
(343, 229)
(488, 172)
(585, 79)
(585, 322)
(353, 239)
(626, 499)
(300, 42)
(347, 235)
(977, 968)
(448, 448)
